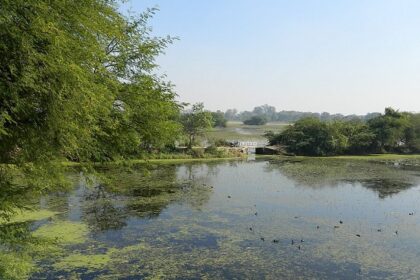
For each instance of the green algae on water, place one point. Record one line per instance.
(22, 216)
(91, 262)
(64, 232)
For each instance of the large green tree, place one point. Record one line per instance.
(390, 130)
(219, 119)
(77, 80)
(195, 122)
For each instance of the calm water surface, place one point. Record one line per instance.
(263, 219)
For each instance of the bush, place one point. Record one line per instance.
(197, 153)
(256, 120)
(221, 143)
(310, 136)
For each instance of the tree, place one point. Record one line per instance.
(308, 136)
(311, 136)
(266, 111)
(231, 114)
(256, 120)
(412, 133)
(360, 137)
(390, 130)
(195, 122)
(77, 80)
(219, 119)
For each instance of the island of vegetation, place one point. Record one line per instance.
(391, 132)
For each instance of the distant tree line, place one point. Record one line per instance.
(392, 131)
(270, 114)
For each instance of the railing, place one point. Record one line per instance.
(251, 144)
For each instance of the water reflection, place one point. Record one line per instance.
(314, 218)
(385, 179)
(100, 211)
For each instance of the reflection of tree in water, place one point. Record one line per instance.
(143, 191)
(20, 189)
(387, 187)
(140, 191)
(100, 211)
(384, 179)
(13, 195)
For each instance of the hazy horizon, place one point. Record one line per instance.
(348, 57)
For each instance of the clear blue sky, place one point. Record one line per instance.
(347, 56)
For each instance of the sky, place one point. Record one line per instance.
(346, 56)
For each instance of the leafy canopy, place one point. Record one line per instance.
(389, 132)
(77, 80)
(195, 122)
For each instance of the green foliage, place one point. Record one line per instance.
(308, 136)
(220, 142)
(195, 122)
(390, 132)
(256, 120)
(270, 113)
(413, 133)
(77, 80)
(219, 119)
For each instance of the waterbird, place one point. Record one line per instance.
(336, 226)
(396, 232)
(250, 228)
(411, 214)
(299, 247)
(229, 196)
(358, 235)
(256, 213)
(301, 241)
(275, 241)
(262, 239)
(317, 227)
(341, 222)
(379, 230)
(293, 242)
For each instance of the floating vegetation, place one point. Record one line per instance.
(89, 262)
(16, 265)
(294, 218)
(28, 216)
(64, 232)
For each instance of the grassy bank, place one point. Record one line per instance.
(364, 157)
(167, 159)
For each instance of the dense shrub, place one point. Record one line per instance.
(389, 132)
(256, 120)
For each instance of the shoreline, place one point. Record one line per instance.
(244, 157)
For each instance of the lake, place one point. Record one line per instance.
(259, 219)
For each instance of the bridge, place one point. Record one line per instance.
(248, 144)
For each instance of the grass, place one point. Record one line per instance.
(241, 132)
(168, 161)
(156, 161)
(370, 157)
